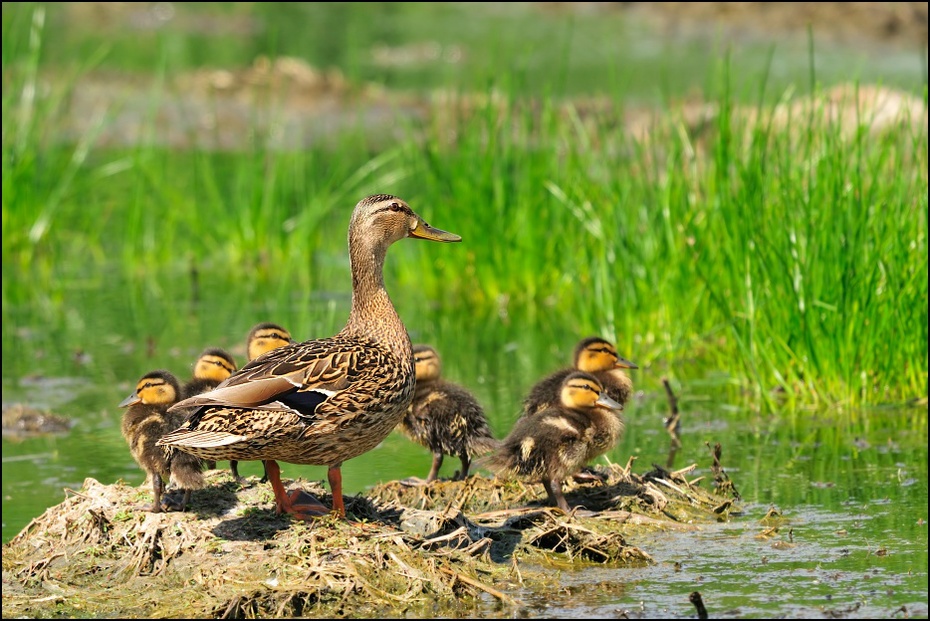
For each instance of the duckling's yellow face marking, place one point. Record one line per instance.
(154, 391)
(213, 367)
(599, 356)
(266, 339)
(581, 392)
(427, 363)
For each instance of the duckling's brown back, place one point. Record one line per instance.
(545, 445)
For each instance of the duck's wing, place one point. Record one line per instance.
(295, 378)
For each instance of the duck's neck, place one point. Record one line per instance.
(373, 315)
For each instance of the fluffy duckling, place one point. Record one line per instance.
(445, 417)
(145, 421)
(212, 367)
(593, 355)
(262, 338)
(558, 441)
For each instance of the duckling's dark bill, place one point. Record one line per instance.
(425, 231)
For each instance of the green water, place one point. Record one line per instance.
(851, 485)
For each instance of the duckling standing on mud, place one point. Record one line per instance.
(212, 367)
(558, 441)
(593, 355)
(445, 417)
(145, 421)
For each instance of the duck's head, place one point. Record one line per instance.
(427, 362)
(155, 388)
(386, 219)
(582, 391)
(214, 364)
(264, 337)
(595, 354)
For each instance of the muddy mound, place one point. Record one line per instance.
(446, 549)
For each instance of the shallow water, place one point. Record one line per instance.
(851, 489)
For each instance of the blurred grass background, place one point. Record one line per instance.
(714, 202)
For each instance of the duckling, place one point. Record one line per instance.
(145, 421)
(212, 367)
(262, 338)
(593, 355)
(327, 400)
(444, 417)
(558, 441)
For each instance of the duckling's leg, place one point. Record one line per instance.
(288, 503)
(171, 505)
(587, 474)
(234, 468)
(466, 462)
(158, 486)
(434, 469)
(554, 491)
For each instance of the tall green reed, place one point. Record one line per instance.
(786, 244)
(771, 242)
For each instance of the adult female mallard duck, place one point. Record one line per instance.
(593, 355)
(145, 421)
(262, 338)
(445, 417)
(558, 441)
(322, 401)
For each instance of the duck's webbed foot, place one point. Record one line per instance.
(298, 503)
(588, 474)
(171, 503)
(304, 506)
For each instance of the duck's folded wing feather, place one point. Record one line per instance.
(251, 394)
(301, 377)
(197, 438)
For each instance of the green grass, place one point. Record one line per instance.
(789, 255)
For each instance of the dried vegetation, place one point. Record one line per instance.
(451, 548)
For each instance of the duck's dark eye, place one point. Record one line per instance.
(396, 207)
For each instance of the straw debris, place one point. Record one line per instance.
(451, 548)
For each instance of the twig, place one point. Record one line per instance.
(498, 594)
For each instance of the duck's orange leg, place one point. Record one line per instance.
(335, 483)
(298, 503)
